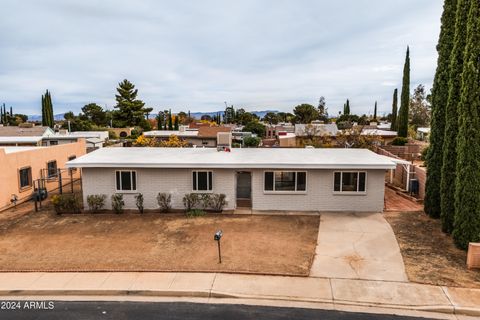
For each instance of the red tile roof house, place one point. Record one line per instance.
(265, 179)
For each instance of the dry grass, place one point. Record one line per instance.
(158, 242)
(430, 256)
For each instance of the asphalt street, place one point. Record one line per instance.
(52, 310)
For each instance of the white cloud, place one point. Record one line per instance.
(256, 54)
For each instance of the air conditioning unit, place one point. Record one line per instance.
(473, 256)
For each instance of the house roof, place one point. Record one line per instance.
(19, 149)
(20, 139)
(246, 158)
(211, 132)
(168, 133)
(321, 129)
(423, 130)
(378, 132)
(14, 131)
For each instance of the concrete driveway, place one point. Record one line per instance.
(357, 246)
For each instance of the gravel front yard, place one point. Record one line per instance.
(158, 242)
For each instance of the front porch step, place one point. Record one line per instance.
(244, 203)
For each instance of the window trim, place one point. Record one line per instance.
(30, 178)
(286, 191)
(358, 183)
(131, 181)
(54, 176)
(209, 183)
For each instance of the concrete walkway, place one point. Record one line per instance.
(357, 246)
(384, 294)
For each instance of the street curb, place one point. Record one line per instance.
(447, 309)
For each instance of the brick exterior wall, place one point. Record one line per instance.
(178, 182)
(319, 195)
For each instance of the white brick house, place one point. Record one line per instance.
(265, 179)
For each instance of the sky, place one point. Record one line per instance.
(196, 55)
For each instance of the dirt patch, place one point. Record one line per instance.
(430, 255)
(158, 242)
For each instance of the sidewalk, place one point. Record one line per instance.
(384, 294)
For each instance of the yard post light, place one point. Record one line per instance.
(217, 237)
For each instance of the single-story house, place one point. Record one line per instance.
(387, 136)
(93, 139)
(263, 179)
(24, 135)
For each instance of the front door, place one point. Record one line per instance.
(244, 189)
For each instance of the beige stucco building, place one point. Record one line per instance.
(21, 166)
(263, 179)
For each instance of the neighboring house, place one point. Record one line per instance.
(122, 132)
(23, 136)
(44, 136)
(272, 130)
(204, 136)
(286, 139)
(423, 134)
(265, 179)
(386, 136)
(316, 129)
(22, 166)
(93, 139)
(208, 135)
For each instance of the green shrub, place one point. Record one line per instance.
(190, 200)
(218, 201)
(252, 142)
(66, 203)
(195, 213)
(424, 153)
(139, 202)
(399, 141)
(96, 202)
(117, 203)
(164, 201)
(205, 200)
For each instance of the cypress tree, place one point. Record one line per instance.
(170, 123)
(375, 112)
(393, 126)
(447, 185)
(347, 107)
(44, 117)
(404, 98)
(467, 192)
(50, 110)
(1, 115)
(434, 159)
(175, 124)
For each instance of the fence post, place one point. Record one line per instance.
(60, 184)
(71, 179)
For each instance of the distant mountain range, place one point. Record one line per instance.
(37, 117)
(197, 115)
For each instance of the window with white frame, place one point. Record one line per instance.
(295, 181)
(202, 180)
(350, 181)
(126, 180)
